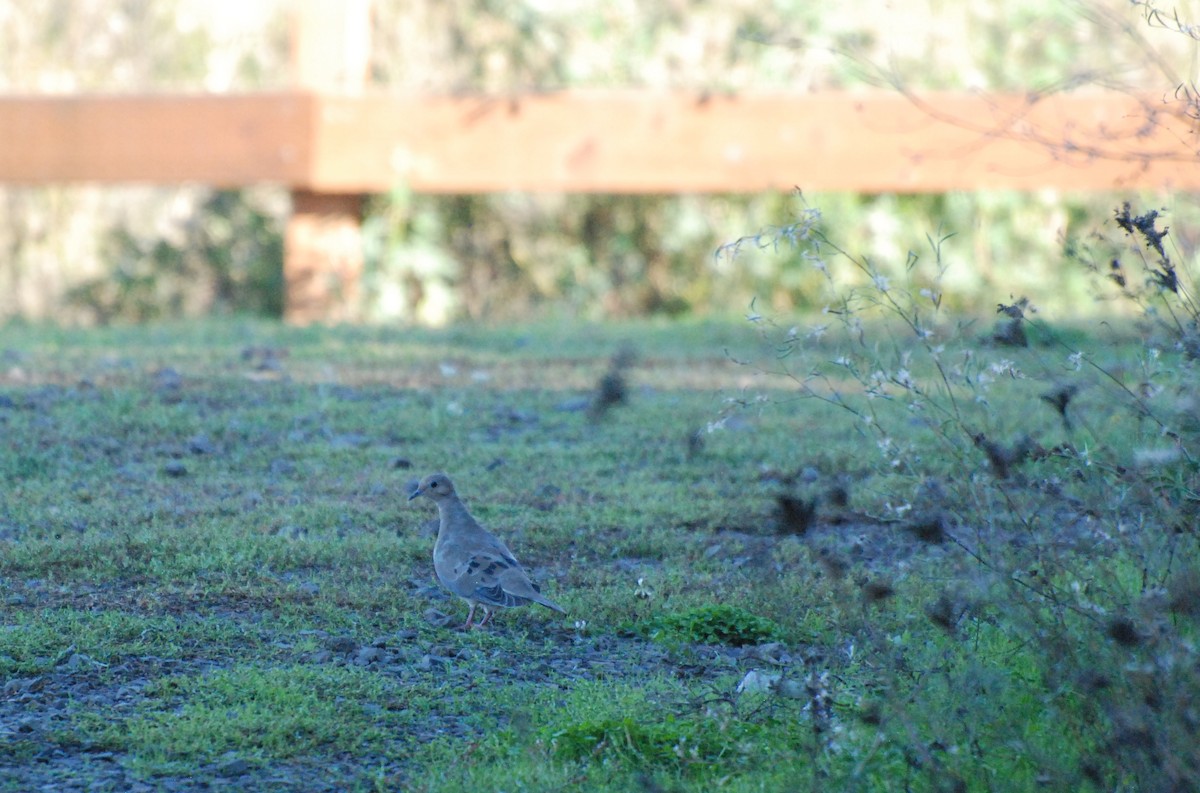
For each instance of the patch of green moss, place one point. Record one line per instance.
(716, 624)
(692, 745)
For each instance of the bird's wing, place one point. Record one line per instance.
(492, 578)
(478, 566)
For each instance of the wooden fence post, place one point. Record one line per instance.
(323, 258)
(323, 253)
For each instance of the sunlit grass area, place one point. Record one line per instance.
(210, 569)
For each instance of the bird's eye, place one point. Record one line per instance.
(433, 484)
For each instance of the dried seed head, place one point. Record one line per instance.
(875, 591)
(1060, 396)
(839, 495)
(1123, 632)
(610, 391)
(1146, 224)
(930, 528)
(1016, 309)
(943, 613)
(794, 515)
(871, 712)
(1003, 458)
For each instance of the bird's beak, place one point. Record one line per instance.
(415, 493)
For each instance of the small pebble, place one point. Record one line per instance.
(200, 444)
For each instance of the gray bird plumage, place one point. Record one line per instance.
(472, 562)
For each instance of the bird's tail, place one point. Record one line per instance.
(548, 603)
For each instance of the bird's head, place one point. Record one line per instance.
(434, 486)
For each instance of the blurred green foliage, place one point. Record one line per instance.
(224, 260)
(434, 259)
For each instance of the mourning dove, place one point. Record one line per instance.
(472, 562)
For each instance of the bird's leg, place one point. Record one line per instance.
(487, 615)
(470, 616)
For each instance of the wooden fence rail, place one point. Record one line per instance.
(605, 142)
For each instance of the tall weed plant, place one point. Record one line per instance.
(1067, 476)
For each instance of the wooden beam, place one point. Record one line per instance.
(640, 142)
(606, 142)
(225, 141)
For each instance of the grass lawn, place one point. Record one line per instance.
(210, 576)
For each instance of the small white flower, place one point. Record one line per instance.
(756, 682)
(643, 591)
(880, 281)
